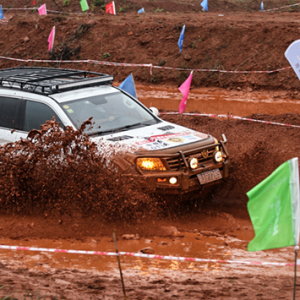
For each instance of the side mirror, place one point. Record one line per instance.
(154, 110)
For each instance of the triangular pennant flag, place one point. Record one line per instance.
(1, 13)
(262, 6)
(51, 39)
(204, 4)
(141, 10)
(181, 38)
(185, 89)
(128, 86)
(110, 8)
(274, 209)
(42, 10)
(84, 5)
(292, 54)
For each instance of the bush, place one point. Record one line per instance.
(99, 2)
(66, 2)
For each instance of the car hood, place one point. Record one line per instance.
(159, 137)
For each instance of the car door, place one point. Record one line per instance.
(10, 118)
(36, 114)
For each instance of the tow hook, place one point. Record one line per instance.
(224, 138)
(223, 144)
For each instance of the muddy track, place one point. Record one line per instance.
(60, 215)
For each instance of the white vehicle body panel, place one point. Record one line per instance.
(152, 138)
(146, 138)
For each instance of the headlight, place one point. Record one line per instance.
(216, 142)
(218, 156)
(193, 163)
(150, 164)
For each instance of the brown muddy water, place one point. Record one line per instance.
(186, 245)
(219, 101)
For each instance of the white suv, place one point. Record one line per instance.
(165, 157)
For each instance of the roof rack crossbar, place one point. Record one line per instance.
(56, 76)
(50, 80)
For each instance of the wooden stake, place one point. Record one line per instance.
(119, 263)
(295, 273)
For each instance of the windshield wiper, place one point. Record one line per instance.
(119, 128)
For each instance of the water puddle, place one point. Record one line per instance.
(218, 101)
(187, 245)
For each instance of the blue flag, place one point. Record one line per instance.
(262, 6)
(1, 13)
(128, 86)
(141, 10)
(204, 4)
(181, 38)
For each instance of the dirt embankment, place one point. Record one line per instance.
(235, 41)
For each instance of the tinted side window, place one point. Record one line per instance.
(10, 111)
(37, 114)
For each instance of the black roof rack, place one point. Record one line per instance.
(48, 81)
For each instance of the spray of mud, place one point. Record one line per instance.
(64, 171)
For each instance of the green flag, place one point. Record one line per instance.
(274, 209)
(84, 5)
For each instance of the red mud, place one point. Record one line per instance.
(219, 101)
(222, 209)
(236, 41)
(77, 205)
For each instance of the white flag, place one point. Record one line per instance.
(292, 54)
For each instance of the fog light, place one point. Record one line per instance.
(218, 156)
(173, 180)
(161, 179)
(194, 163)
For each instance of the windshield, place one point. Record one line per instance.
(110, 112)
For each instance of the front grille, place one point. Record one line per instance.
(177, 163)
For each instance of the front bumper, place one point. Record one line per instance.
(186, 181)
(178, 165)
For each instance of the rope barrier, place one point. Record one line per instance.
(277, 8)
(151, 256)
(230, 117)
(86, 13)
(107, 63)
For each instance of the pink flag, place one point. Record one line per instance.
(185, 89)
(42, 10)
(110, 8)
(51, 39)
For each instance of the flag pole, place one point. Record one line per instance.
(295, 271)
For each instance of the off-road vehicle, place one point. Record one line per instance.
(164, 157)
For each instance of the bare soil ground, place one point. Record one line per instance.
(238, 40)
(242, 39)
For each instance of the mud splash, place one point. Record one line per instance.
(62, 170)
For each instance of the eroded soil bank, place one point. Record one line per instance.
(234, 40)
